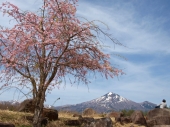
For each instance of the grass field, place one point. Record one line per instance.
(19, 120)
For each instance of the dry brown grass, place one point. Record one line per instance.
(18, 119)
(68, 115)
(126, 125)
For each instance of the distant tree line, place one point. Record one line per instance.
(9, 106)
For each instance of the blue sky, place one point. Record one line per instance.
(143, 27)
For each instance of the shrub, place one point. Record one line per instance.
(8, 106)
(145, 113)
(127, 112)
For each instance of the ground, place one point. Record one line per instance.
(18, 119)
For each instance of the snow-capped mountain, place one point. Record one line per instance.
(109, 102)
(12, 102)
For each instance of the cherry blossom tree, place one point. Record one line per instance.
(44, 47)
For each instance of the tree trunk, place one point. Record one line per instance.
(39, 104)
(36, 118)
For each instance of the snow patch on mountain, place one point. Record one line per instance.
(110, 97)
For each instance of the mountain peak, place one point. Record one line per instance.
(110, 93)
(113, 97)
(110, 98)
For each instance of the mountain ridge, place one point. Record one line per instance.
(106, 103)
(109, 102)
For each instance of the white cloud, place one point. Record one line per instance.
(144, 36)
